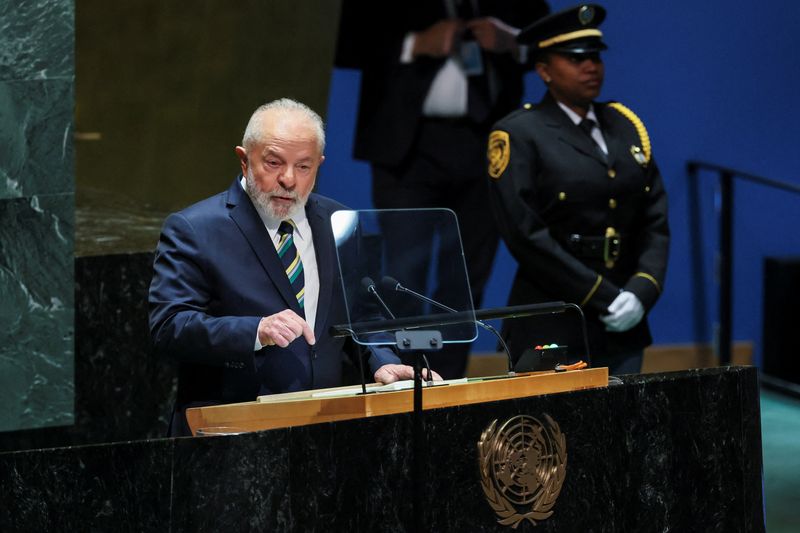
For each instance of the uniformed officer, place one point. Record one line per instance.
(579, 200)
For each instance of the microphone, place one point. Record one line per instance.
(369, 286)
(392, 284)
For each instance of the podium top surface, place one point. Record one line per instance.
(329, 405)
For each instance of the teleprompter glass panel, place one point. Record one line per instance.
(403, 269)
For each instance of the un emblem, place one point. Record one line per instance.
(523, 465)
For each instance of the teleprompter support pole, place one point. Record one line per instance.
(418, 342)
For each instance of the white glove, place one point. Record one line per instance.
(624, 312)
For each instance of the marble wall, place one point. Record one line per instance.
(122, 392)
(36, 213)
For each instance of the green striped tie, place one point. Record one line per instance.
(290, 258)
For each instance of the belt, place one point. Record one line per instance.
(606, 248)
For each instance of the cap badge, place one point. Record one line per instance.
(586, 15)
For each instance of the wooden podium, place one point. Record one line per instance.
(323, 405)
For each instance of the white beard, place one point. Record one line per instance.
(264, 200)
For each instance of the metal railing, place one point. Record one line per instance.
(725, 258)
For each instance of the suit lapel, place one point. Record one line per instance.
(245, 216)
(318, 219)
(568, 132)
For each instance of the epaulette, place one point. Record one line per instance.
(524, 108)
(644, 138)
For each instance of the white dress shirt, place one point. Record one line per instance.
(597, 134)
(447, 95)
(304, 242)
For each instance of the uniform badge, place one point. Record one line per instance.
(639, 155)
(523, 464)
(498, 153)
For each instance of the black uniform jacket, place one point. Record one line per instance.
(556, 197)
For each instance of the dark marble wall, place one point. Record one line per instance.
(36, 213)
(669, 452)
(121, 391)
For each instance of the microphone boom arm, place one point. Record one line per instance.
(440, 319)
(484, 325)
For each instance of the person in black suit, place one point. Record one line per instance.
(245, 285)
(435, 76)
(579, 200)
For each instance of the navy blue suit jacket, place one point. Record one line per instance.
(216, 274)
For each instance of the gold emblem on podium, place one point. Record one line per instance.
(523, 465)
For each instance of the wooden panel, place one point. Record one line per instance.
(657, 358)
(297, 409)
(670, 357)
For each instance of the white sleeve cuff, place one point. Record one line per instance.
(407, 53)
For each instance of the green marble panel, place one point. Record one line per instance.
(36, 311)
(36, 39)
(37, 205)
(36, 147)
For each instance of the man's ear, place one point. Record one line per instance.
(241, 153)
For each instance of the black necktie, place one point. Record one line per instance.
(587, 125)
(479, 96)
(290, 258)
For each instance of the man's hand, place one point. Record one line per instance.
(282, 328)
(391, 373)
(493, 34)
(624, 312)
(438, 40)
